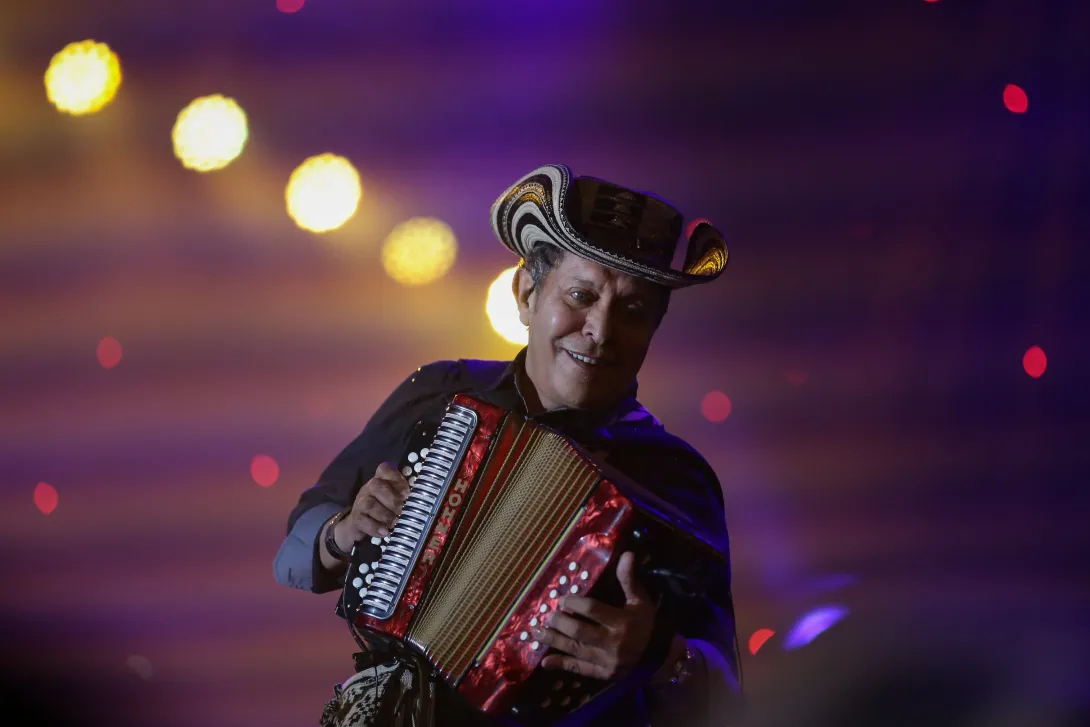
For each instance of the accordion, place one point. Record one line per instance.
(504, 517)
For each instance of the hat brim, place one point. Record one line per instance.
(533, 210)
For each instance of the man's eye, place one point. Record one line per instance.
(580, 295)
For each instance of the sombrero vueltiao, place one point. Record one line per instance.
(633, 232)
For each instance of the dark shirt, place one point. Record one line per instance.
(628, 437)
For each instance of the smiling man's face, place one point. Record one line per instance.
(590, 327)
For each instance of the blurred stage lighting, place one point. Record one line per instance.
(209, 133)
(419, 251)
(83, 77)
(503, 312)
(46, 497)
(323, 193)
(812, 625)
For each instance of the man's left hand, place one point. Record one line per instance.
(615, 640)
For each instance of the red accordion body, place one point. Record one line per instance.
(504, 518)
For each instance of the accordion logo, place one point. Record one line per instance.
(445, 521)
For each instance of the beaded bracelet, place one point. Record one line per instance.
(683, 669)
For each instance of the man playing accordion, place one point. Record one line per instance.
(594, 284)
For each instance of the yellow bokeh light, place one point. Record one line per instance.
(323, 193)
(209, 133)
(503, 312)
(83, 77)
(419, 251)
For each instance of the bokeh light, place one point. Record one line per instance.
(796, 376)
(758, 639)
(323, 193)
(83, 77)
(812, 625)
(209, 133)
(503, 312)
(419, 251)
(715, 406)
(692, 226)
(1035, 362)
(1015, 99)
(140, 665)
(264, 470)
(46, 498)
(290, 6)
(108, 352)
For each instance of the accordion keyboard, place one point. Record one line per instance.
(421, 506)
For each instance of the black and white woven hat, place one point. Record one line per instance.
(633, 232)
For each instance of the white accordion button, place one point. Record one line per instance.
(413, 456)
(575, 589)
(573, 566)
(374, 565)
(417, 467)
(584, 575)
(544, 608)
(533, 621)
(376, 541)
(357, 583)
(534, 645)
(407, 470)
(363, 568)
(563, 580)
(523, 636)
(363, 593)
(553, 593)
(368, 578)
(424, 452)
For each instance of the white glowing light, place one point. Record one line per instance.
(323, 193)
(83, 77)
(209, 133)
(503, 312)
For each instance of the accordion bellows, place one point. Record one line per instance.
(504, 518)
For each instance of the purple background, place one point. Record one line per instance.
(896, 235)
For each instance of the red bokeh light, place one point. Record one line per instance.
(319, 407)
(716, 406)
(1015, 99)
(1035, 362)
(264, 470)
(109, 352)
(758, 639)
(46, 498)
(796, 376)
(693, 224)
(289, 6)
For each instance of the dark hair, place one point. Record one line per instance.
(544, 257)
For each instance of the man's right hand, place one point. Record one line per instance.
(377, 505)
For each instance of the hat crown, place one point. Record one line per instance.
(635, 224)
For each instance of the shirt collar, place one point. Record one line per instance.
(504, 391)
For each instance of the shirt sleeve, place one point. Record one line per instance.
(708, 624)
(298, 562)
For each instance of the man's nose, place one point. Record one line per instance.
(598, 324)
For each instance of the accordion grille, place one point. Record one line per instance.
(499, 552)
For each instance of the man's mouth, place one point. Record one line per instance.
(589, 360)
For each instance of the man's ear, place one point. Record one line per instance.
(522, 285)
